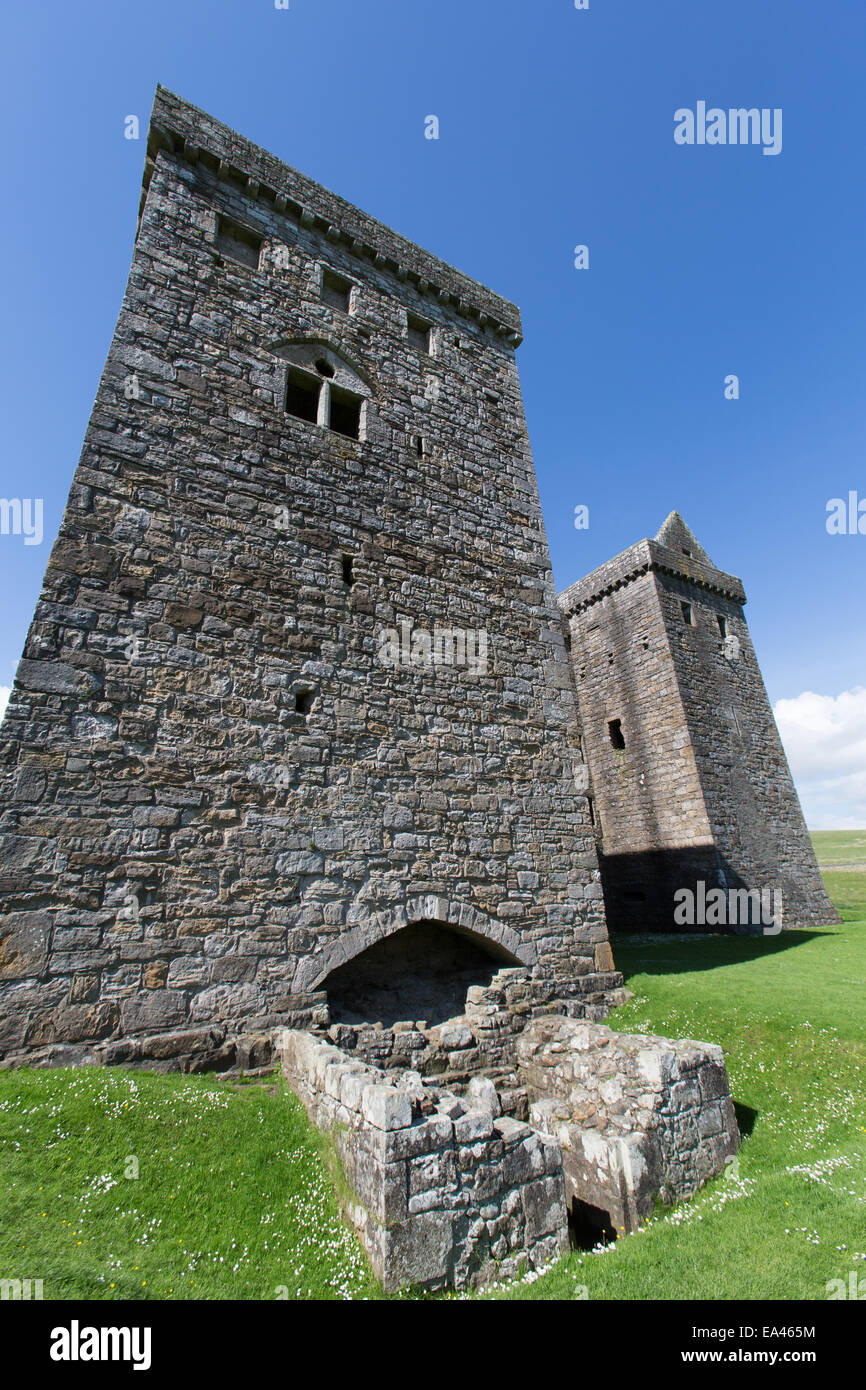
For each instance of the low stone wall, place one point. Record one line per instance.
(444, 1190)
(638, 1117)
(481, 1039)
(189, 1050)
(219, 1046)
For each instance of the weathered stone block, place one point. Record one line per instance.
(153, 1009)
(24, 941)
(384, 1107)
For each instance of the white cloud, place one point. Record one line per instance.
(825, 740)
(5, 692)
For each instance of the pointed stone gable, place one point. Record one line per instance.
(675, 535)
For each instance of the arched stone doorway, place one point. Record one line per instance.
(421, 972)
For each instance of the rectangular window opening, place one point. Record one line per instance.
(723, 624)
(238, 243)
(418, 333)
(304, 701)
(336, 290)
(614, 729)
(688, 615)
(345, 412)
(348, 570)
(302, 396)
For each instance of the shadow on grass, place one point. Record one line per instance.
(670, 955)
(746, 1118)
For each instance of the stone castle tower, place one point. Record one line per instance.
(690, 784)
(294, 726)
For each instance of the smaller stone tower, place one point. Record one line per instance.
(691, 790)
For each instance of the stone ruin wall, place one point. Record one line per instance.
(755, 816)
(622, 668)
(442, 1190)
(640, 1118)
(446, 1189)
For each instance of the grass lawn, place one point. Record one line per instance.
(232, 1197)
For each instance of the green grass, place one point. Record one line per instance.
(846, 847)
(233, 1197)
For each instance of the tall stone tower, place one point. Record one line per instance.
(690, 786)
(295, 697)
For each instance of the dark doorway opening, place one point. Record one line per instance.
(588, 1226)
(421, 972)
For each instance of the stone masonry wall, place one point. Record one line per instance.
(481, 1039)
(213, 790)
(444, 1190)
(755, 817)
(648, 794)
(638, 1117)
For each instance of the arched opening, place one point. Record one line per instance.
(421, 972)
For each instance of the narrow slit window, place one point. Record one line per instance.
(723, 625)
(336, 290)
(418, 333)
(688, 614)
(348, 570)
(345, 412)
(302, 396)
(238, 243)
(614, 729)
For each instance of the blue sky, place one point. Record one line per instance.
(556, 128)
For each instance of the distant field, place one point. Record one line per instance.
(840, 848)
